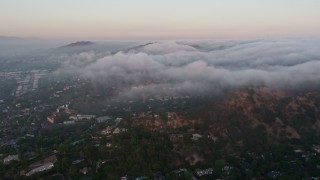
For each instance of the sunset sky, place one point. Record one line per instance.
(165, 19)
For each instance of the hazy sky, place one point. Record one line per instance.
(139, 19)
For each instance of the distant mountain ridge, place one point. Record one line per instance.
(161, 48)
(79, 44)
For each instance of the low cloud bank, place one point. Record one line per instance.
(200, 67)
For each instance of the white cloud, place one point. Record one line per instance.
(206, 66)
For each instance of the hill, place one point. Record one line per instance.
(283, 115)
(252, 132)
(252, 115)
(79, 44)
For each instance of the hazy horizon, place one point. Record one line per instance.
(160, 20)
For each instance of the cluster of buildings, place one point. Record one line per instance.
(61, 109)
(203, 172)
(38, 166)
(44, 167)
(44, 164)
(196, 136)
(80, 117)
(11, 158)
(27, 80)
(72, 117)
